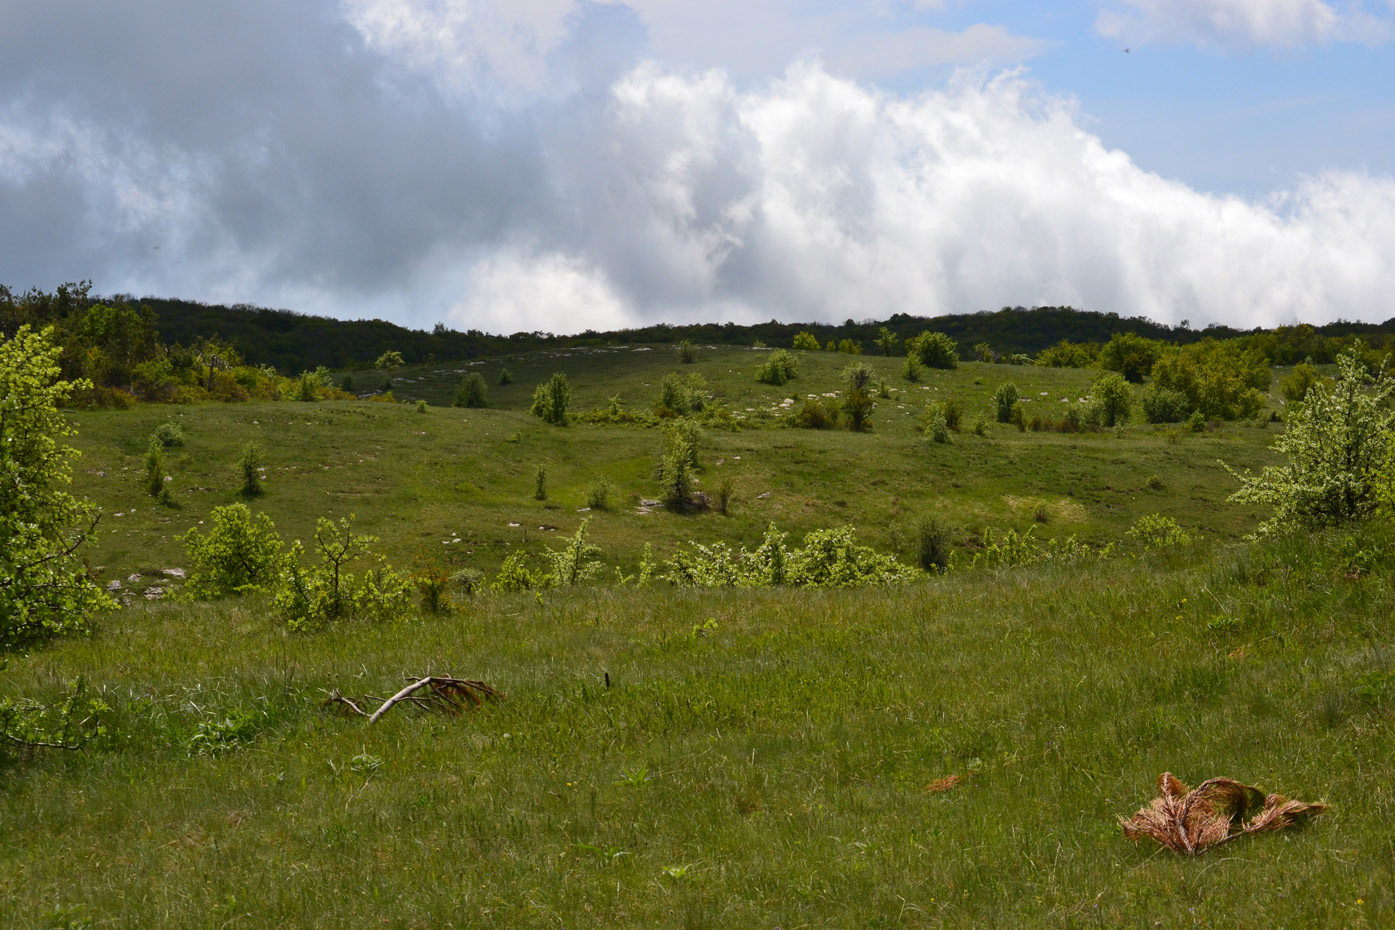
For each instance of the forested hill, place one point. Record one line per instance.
(294, 342)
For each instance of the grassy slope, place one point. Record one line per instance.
(786, 749)
(415, 479)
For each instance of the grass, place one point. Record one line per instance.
(787, 746)
(952, 753)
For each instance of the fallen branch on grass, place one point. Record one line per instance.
(1191, 821)
(442, 692)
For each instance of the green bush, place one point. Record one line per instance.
(238, 553)
(1155, 531)
(815, 414)
(472, 392)
(938, 430)
(828, 559)
(540, 483)
(911, 369)
(1004, 399)
(307, 387)
(934, 350)
(514, 575)
(1131, 355)
(806, 341)
(857, 400)
(1338, 445)
(1161, 405)
(308, 599)
(681, 395)
(778, 368)
(574, 563)
(598, 493)
(167, 435)
(155, 474)
(886, 340)
(934, 542)
(1296, 386)
(250, 462)
(677, 481)
(505, 376)
(551, 400)
(1222, 380)
(687, 354)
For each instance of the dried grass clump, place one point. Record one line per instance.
(1191, 821)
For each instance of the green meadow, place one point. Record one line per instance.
(954, 752)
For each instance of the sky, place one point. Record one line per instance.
(559, 165)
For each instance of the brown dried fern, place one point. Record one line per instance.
(1191, 821)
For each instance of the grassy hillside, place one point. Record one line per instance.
(418, 480)
(949, 753)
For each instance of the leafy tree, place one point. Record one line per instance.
(935, 350)
(389, 360)
(551, 400)
(1161, 405)
(239, 553)
(1337, 445)
(1130, 354)
(44, 588)
(886, 341)
(1113, 400)
(806, 342)
(850, 347)
(472, 391)
(858, 402)
(1067, 354)
(1296, 386)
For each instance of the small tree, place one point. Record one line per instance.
(1004, 399)
(778, 368)
(249, 469)
(551, 400)
(575, 562)
(886, 341)
(934, 541)
(44, 588)
(472, 391)
(239, 553)
(1112, 402)
(935, 350)
(540, 483)
(505, 376)
(911, 369)
(389, 360)
(806, 342)
(1337, 444)
(687, 353)
(677, 480)
(858, 402)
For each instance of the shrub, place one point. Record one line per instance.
(911, 369)
(389, 360)
(472, 392)
(155, 475)
(830, 559)
(505, 376)
(1155, 531)
(308, 599)
(681, 396)
(575, 562)
(540, 483)
(514, 575)
(1296, 386)
(598, 493)
(886, 340)
(677, 482)
(939, 429)
(935, 350)
(346, 384)
(857, 402)
(1337, 444)
(1067, 354)
(1004, 400)
(849, 347)
(167, 435)
(934, 542)
(551, 400)
(815, 414)
(1161, 405)
(1112, 401)
(1223, 380)
(1196, 422)
(44, 587)
(778, 368)
(307, 387)
(980, 426)
(687, 354)
(239, 553)
(726, 490)
(806, 342)
(249, 469)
